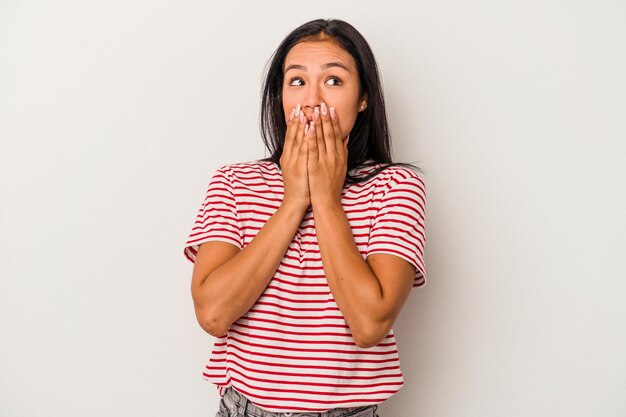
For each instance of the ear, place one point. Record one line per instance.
(363, 103)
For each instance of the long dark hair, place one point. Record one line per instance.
(369, 143)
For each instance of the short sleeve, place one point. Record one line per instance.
(217, 218)
(398, 227)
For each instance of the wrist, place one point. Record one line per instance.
(294, 206)
(326, 203)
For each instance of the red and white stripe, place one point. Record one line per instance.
(293, 351)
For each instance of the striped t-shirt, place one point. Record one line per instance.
(293, 350)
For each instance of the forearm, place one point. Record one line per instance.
(235, 286)
(354, 286)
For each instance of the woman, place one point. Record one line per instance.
(303, 260)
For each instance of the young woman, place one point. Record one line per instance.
(303, 260)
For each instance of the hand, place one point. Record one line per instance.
(327, 162)
(293, 162)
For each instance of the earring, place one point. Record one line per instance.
(363, 106)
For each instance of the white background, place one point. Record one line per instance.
(114, 115)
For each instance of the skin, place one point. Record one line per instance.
(311, 94)
(311, 86)
(370, 293)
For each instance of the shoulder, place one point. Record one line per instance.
(406, 187)
(398, 176)
(406, 175)
(248, 169)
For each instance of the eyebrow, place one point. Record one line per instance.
(324, 67)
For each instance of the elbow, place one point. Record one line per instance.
(366, 343)
(209, 322)
(211, 325)
(372, 336)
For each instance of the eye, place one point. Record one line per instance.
(335, 78)
(332, 77)
(294, 79)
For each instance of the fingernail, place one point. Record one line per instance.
(292, 113)
(316, 114)
(324, 109)
(302, 117)
(306, 129)
(332, 113)
(297, 110)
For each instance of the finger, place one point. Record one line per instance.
(319, 133)
(299, 145)
(303, 150)
(342, 143)
(299, 134)
(329, 134)
(289, 134)
(312, 142)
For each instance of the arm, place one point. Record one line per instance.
(232, 288)
(370, 294)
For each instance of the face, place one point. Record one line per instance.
(309, 81)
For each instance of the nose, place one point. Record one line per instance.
(312, 98)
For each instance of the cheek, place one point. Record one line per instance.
(347, 116)
(287, 108)
(289, 103)
(347, 123)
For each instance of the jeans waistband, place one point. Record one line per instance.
(245, 407)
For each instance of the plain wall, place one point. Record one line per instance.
(114, 115)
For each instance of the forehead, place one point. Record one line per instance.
(316, 53)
